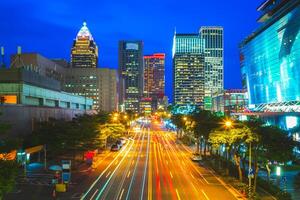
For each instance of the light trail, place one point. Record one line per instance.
(146, 165)
(135, 167)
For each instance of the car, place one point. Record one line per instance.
(115, 147)
(196, 158)
(123, 140)
(119, 143)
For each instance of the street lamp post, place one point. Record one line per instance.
(250, 170)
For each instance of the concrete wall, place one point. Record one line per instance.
(23, 119)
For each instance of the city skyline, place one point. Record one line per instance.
(108, 27)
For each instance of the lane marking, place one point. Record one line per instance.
(128, 174)
(192, 176)
(205, 194)
(103, 172)
(171, 174)
(94, 194)
(146, 165)
(121, 194)
(177, 193)
(117, 167)
(135, 167)
(108, 174)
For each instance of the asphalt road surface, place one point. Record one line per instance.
(153, 166)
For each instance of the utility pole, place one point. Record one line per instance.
(45, 157)
(250, 171)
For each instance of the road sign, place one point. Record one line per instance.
(251, 173)
(66, 177)
(66, 171)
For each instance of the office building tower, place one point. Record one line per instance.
(270, 64)
(154, 78)
(131, 72)
(99, 84)
(84, 53)
(214, 78)
(85, 79)
(188, 69)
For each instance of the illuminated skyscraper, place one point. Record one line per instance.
(270, 64)
(154, 77)
(84, 53)
(131, 72)
(188, 69)
(85, 79)
(213, 37)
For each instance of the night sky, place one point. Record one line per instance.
(49, 27)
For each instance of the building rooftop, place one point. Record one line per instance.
(84, 33)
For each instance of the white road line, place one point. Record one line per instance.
(205, 194)
(171, 174)
(94, 194)
(177, 193)
(128, 174)
(121, 194)
(108, 174)
(146, 165)
(103, 172)
(192, 176)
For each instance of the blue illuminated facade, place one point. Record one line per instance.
(270, 57)
(270, 66)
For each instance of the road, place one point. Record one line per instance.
(153, 166)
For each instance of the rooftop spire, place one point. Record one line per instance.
(84, 32)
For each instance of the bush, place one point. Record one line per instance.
(297, 181)
(283, 196)
(273, 189)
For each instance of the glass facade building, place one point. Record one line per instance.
(131, 74)
(213, 37)
(270, 58)
(270, 65)
(188, 69)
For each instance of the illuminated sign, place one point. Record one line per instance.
(132, 46)
(291, 121)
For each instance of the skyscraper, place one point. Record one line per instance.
(84, 52)
(154, 77)
(188, 69)
(131, 72)
(213, 38)
(85, 79)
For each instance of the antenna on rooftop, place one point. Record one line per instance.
(18, 59)
(2, 57)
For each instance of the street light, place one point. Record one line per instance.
(228, 124)
(184, 118)
(115, 118)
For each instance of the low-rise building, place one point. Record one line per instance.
(28, 97)
(230, 101)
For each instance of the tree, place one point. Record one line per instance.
(274, 145)
(234, 140)
(203, 123)
(8, 175)
(79, 135)
(8, 168)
